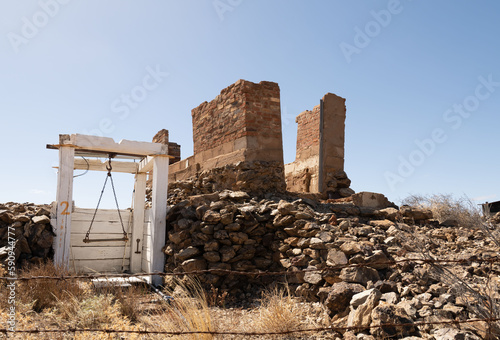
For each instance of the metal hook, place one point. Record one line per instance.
(109, 167)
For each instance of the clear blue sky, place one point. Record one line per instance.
(409, 70)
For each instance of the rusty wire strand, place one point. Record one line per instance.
(319, 329)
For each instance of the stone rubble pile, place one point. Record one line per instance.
(339, 254)
(256, 177)
(30, 225)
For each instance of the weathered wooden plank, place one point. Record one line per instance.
(146, 266)
(146, 164)
(99, 227)
(100, 253)
(105, 144)
(64, 206)
(147, 215)
(147, 229)
(100, 266)
(138, 222)
(98, 165)
(102, 215)
(159, 213)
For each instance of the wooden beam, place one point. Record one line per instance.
(64, 206)
(108, 145)
(159, 214)
(138, 222)
(146, 164)
(97, 165)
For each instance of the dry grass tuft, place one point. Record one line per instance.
(446, 207)
(129, 300)
(188, 312)
(46, 293)
(278, 312)
(91, 312)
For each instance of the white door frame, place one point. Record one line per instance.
(153, 157)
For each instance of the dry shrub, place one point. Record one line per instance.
(446, 207)
(215, 298)
(45, 293)
(90, 312)
(129, 300)
(279, 312)
(188, 312)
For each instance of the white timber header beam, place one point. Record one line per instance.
(109, 146)
(98, 165)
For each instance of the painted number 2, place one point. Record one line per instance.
(65, 204)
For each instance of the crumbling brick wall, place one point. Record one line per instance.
(245, 117)
(319, 161)
(307, 133)
(242, 124)
(174, 149)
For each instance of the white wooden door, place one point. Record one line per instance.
(102, 257)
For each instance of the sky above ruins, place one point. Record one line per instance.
(421, 81)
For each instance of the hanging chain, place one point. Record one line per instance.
(109, 168)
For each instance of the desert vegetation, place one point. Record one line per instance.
(76, 304)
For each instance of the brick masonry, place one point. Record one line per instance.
(245, 115)
(174, 149)
(307, 132)
(316, 149)
(241, 124)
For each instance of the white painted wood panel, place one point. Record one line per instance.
(105, 215)
(146, 246)
(105, 256)
(93, 266)
(137, 237)
(159, 213)
(100, 253)
(98, 165)
(64, 207)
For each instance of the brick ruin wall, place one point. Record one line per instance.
(242, 124)
(302, 174)
(174, 149)
(319, 161)
(335, 181)
(237, 142)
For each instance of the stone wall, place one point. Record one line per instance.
(30, 224)
(319, 161)
(231, 230)
(257, 177)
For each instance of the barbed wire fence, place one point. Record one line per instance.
(441, 262)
